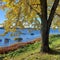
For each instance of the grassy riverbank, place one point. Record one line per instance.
(32, 51)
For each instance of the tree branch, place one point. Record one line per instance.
(34, 9)
(55, 4)
(56, 14)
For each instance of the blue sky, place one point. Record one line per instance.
(2, 16)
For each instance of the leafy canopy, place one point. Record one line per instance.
(24, 13)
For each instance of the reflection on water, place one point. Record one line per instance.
(9, 38)
(6, 40)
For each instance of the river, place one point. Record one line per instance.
(25, 36)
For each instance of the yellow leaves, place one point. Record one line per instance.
(58, 10)
(25, 8)
(11, 15)
(6, 0)
(58, 23)
(8, 26)
(28, 11)
(16, 10)
(33, 13)
(13, 29)
(34, 1)
(20, 24)
(9, 3)
(24, 1)
(8, 22)
(38, 9)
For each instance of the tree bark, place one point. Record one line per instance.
(46, 23)
(51, 16)
(44, 27)
(45, 38)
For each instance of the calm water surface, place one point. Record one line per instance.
(26, 36)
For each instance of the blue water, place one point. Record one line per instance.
(26, 36)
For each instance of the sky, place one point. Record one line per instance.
(2, 16)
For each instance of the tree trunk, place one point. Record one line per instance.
(46, 23)
(45, 38)
(44, 27)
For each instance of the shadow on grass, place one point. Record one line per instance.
(1, 58)
(54, 52)
(51, 51)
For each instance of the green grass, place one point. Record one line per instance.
(32, 51)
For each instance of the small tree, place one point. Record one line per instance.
(32, 12)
